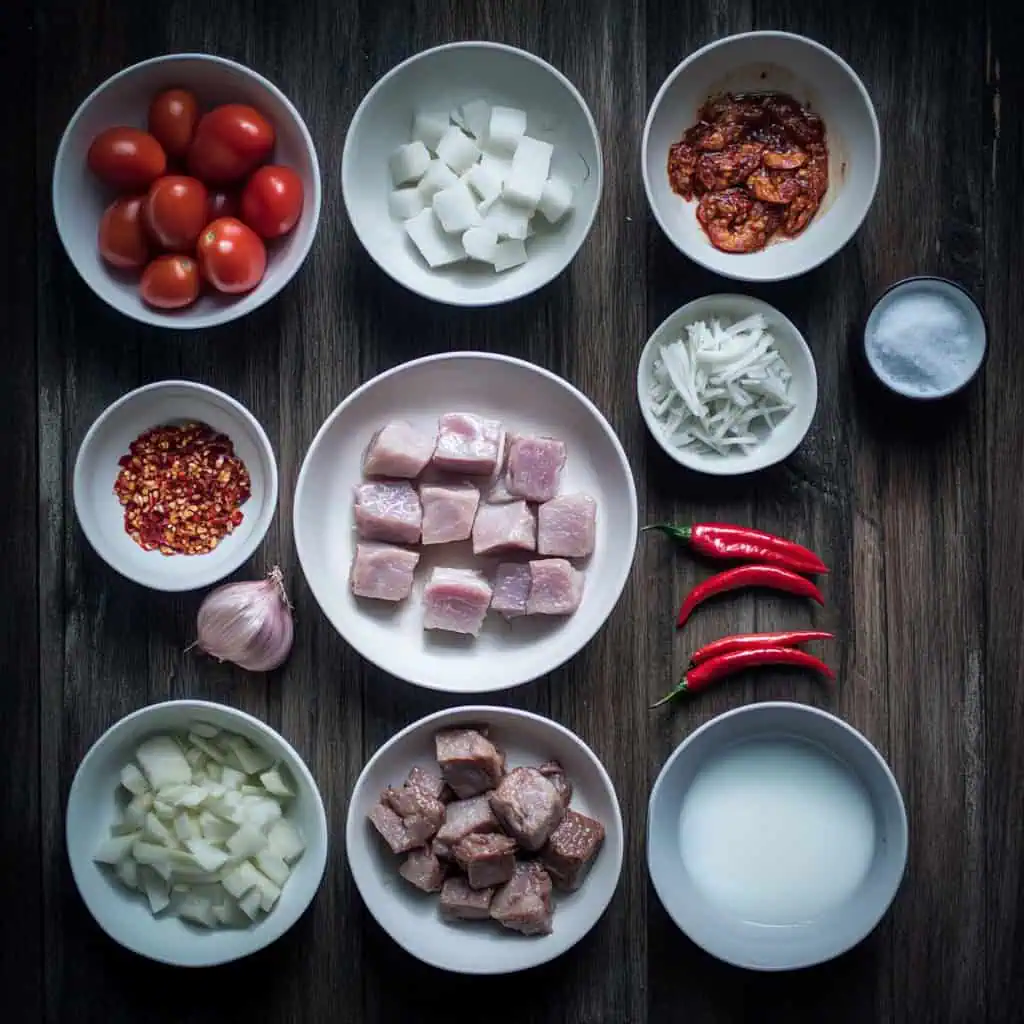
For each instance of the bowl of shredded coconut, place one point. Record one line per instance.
(925, 338)
(727, 385)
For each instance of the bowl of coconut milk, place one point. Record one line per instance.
(776, 836)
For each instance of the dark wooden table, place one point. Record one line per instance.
(919, 516)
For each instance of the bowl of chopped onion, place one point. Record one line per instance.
(727, 385)
(196, 833)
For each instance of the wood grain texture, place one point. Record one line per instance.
(917, 515)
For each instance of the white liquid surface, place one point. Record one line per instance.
(776, 831)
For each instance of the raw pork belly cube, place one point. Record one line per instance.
(499, 493)
(392, 829)
(388, 511)
(423, 870)
(421, 814)
(468, 817)
(470, 763)
(431, 784)
(554, 772)
(534, 466)
(468, 444)
(511, 589)
(399, 450)
(524, 904)
(461, 903)
(571, 849)
(382, 571)
(528, 806)
(449, 511)
(567, 525)
(511, 527)
(456, 600)
(488, 860)
(556, 587)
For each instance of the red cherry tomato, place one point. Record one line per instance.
(126, 158)
(175, 211)
(122, 235)
(272, 201)
(173, 116)
(220, 203)
(230, 142)
(171, 282)
(231, 256)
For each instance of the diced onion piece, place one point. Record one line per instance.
(406, 202)
(555, 200)
(162, 762)
(252, 759)
(133, 780)
(428, 127)
(508, 254)
(273, 866)
(232, 778)
(457, 150)
(249, 904)
(456, 209)
(269, 893)
(250, 790)
(284, 840)
(261, 812)
(206, 855)
(241, 880)
(197, 909)
(275, 784)
(247, 841)
(204, 729)
(208, 749)
(137, 808)
(439, 176)
(114, 849)
(156, 830)
(436, 246)
(507, 126)
(215, 829)
(186, 827)
(409, 163)
(127, 871)
(156, 889)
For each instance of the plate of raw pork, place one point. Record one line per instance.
(466, 521)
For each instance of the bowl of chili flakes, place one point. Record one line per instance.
(761, 155)
(175, 485)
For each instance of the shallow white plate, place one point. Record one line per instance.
(125, 915)
(413, 918)
(525, 398)
(808, 937)
(101, 515)
(440, 80)
(779, 443)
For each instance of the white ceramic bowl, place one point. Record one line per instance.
(439, 80)
(79, 199)
(779, 937)
(412, 918)
(768, 62)
(125, 916)
(525, 398)
(779, 443)
(101, 515)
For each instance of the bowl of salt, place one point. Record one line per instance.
(925, 338)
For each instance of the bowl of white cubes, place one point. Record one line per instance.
(196, 833)
(472, 173)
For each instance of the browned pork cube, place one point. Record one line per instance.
(423, 870)
(524, 903)
(572, 848)
(431, 784)
(461, 903)
(392, 828)
(487, 859)
(421, 814)
(528, 806)
(556, 773)
(470, 763)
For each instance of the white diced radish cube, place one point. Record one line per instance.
(405, 202)
(475, 117)
(163, 762)
(456, 209)
(507, 126)
(507, 221)
(480, 243)
(555, 200)
(457, 150)
(530, 165)
(439, 176)
(133, 780)
(409, 163)
(275, 783)
(496, 164)
(113, 849)
(128, 872)
(484, 181)
(428, 127)
(273, 867)
(251, 759)
(436, 247)
(207, 856)
(284, 839)
(508, 254)
(247, 842)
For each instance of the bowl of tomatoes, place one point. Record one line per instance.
(186, 190)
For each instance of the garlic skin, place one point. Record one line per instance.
(249, 624)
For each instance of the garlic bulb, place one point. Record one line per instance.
(248, 623)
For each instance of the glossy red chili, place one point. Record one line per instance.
(771, 576)
(714, 669)
(724, 541)
(751, 641)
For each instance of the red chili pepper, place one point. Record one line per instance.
(720, 540)
(749, 576)
(714, 669)
(749, 641)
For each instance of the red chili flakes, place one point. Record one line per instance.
(182, 489)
